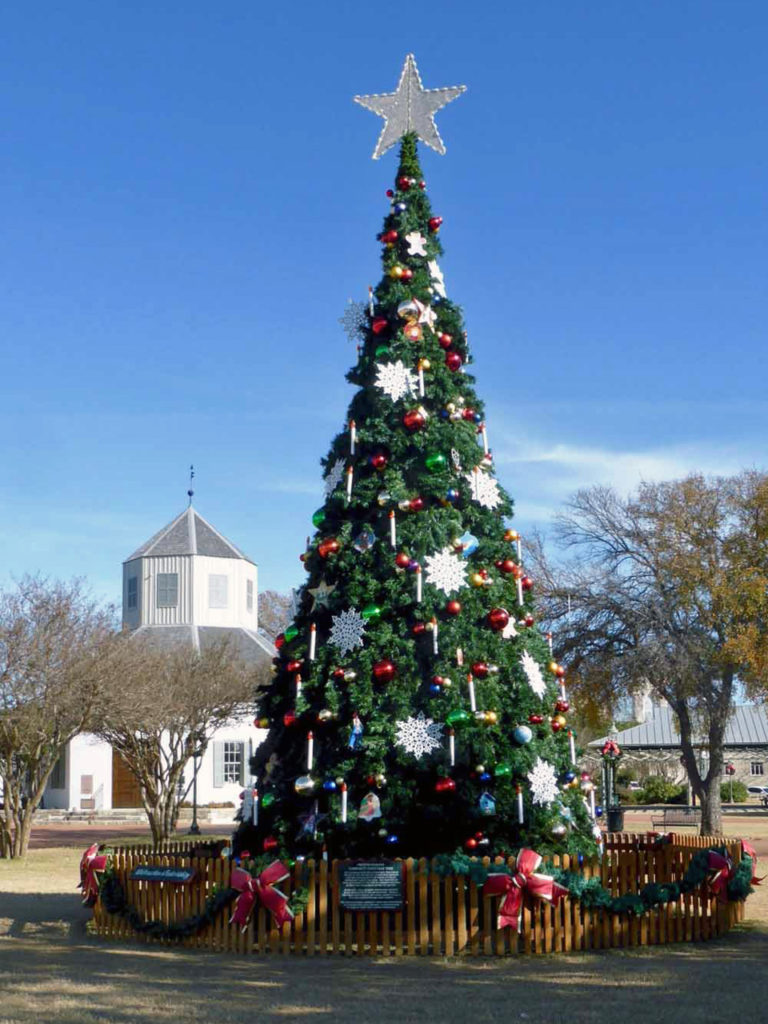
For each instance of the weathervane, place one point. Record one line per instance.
(410, 108)
(190, 492)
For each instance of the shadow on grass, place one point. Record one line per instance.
(65, 977)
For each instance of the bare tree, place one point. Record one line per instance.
(275, 611)
(56, 656)
(168, 706)
(668, 587)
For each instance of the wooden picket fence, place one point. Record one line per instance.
(442, 916)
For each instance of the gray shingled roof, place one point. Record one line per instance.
(188, 534)
(747, 727)
(251, 646)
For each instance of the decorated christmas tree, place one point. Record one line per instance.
(415, 707)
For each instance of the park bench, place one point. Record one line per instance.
(677, 816)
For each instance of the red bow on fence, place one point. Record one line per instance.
(260, 890)
(749, 849)
(511, 887)
(723, 873)
(91, 863)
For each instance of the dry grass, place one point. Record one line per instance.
(51, 970)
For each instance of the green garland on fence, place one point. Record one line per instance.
(113, 899)
(594, 896)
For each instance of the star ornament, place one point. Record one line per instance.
(321, 594)
(410, 108)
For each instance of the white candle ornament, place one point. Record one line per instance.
(435, 631)
(519, 591)
(255, 812)
(421, 381)
(343, 803)
(471, 685)
(484, 436)
(418, 585)
(370, 299)
(310, 751)
(298, 685)
(350, 474)
(519, 806)
(592, 802)
(452, 747)
(312, 641)
(572, 746)
(352, 437)
(392, 528)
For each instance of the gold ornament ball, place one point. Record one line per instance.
(477, 580)
(491, 718)
(560, 719)
(396, 271)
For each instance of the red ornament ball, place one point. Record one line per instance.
(453, 361)
(279, 640)
(453, 607)
(416, 504)
(422, 185)
(470, 844)
(528, 620)
(445, 786)
(407, 274)
(556, 724)
(498, 619)
(418, 628)
(384, 671)
(289, 719)
(389, 236)
(379, 460)
(480, 670)
(293, 666)
(379, 324)
(445, 340)
(403, 183)
(402, 560)
(434, 223)
(526, 583)
(390, 193)
(506, 565)
(329, 546)
(535, 719)
(413, 420)
(270, 843)
(562, 705)
(559, 671)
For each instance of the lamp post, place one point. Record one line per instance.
(197, 753)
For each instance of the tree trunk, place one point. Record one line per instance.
(711, 807)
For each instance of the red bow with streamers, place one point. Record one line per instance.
(91, 863)
(260, 890)
(511, 887)
(749, 850)
(723, 872)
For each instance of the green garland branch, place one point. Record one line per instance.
(113, 900)
(593, 896)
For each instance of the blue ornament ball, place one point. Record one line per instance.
(444, 414)
(400, 207)
(570, 776)
(329, 786)
(598, 812)
(451, 494)
(485, 776)
(522, 734)
(392, 839)
(477, 418)
(434, 689)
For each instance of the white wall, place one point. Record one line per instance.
(237, 572)
(87, 755)
(240, 730)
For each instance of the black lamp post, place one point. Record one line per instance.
(197, 753)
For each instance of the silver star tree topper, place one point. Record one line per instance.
(410, 108)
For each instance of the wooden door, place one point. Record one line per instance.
(125, 787)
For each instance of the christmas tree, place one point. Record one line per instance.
(415, 707)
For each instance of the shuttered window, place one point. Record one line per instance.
(59, 773)
(249, 595)
(756, 768)
(228, 763)
(167, 589)
(133, 592)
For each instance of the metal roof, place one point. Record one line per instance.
(188, 534)
(248, 644)
(747, 727)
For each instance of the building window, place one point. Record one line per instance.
(217, 591)
(59, 773)
(133, 592)
(167, 589)
(756, 768)
(228, 763)
(249, 595)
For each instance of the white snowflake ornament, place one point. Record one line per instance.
(485, 490)
(446, 571)
(334, 477)
(416, 243)
(354, 321)
(533, 674)
(543, 780)
(436, 275)
(420, 735)
(347, 630)
(396, 380)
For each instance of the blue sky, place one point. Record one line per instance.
(188, 201)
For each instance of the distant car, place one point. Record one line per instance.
(761, 792)
(634, 786)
